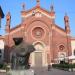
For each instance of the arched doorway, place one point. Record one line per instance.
(38, 59)
(39, 56)
(61, 57)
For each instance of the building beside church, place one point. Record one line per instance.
(73, 47)
(1, 39)
(38, 27)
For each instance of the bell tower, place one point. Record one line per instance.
(66, 21)
(67, 29)
(8, 20)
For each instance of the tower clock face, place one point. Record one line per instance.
(38, 32)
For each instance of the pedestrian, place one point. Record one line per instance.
(49, 67)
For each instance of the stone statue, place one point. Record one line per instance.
(20, 53)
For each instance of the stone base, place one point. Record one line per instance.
(21, 72)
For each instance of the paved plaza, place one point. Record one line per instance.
(44, 71)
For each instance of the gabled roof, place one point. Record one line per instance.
(1, 37)
(38, 9)
(73, 38)
(60, 28)
(12, 29)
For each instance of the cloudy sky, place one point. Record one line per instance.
(60, 7)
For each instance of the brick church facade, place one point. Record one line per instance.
(38, 27)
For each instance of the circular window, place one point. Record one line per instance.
(38, 32)
(61, 47)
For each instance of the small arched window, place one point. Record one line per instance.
(74, 51)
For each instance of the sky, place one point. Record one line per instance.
(60, 6)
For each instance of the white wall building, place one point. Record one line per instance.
(1, 51)
(73, 47)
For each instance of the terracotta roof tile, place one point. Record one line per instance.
(59, 28)
(12, 29)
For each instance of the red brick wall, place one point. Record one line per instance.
(30, 23)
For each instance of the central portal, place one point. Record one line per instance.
(39, 56)
(38, 59)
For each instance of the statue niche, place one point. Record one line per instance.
(20, 53)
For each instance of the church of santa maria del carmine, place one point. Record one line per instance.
(38, 27)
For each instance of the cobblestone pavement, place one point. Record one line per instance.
(44, 71)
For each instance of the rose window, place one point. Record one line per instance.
(38, 32)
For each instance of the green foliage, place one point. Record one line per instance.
(63, 66)
(3, 66)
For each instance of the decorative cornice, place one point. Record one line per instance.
(39, 9)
